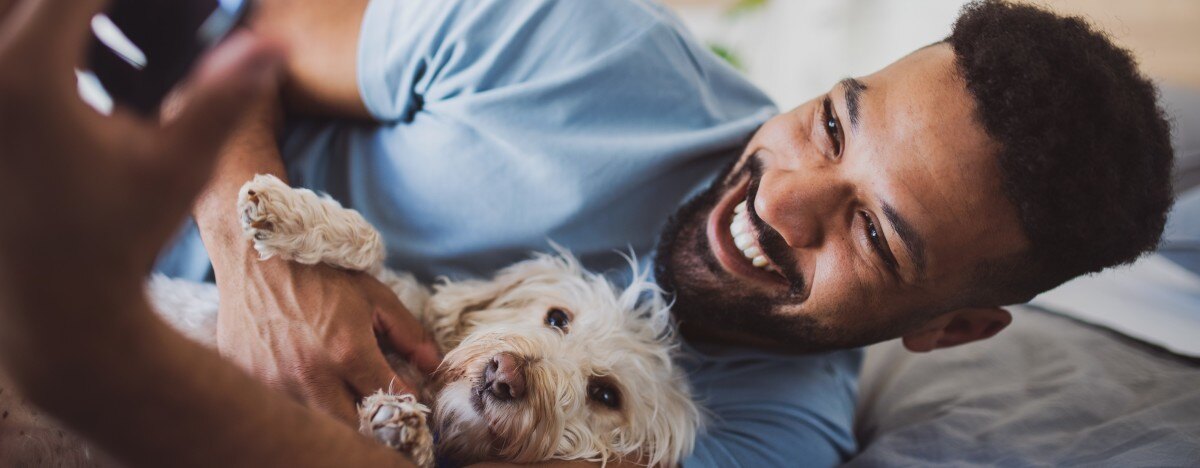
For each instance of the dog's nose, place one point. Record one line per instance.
(505, 376)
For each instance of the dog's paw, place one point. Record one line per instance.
(272, 215)
(300, 225)
(399, 422)
(259, 222)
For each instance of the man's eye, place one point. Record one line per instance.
(876, 239)
(832, 128)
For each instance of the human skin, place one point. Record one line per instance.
(309, 330)
(88, 201)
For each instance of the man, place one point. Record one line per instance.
(908, 203)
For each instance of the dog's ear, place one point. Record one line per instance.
(452, 300)
(459, 297)
(680, 419)
(463, 297)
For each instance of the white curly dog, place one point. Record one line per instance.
(544, 361)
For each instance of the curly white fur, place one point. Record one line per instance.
(302, 226)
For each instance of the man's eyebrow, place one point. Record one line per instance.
(853, 89)
(908, 236)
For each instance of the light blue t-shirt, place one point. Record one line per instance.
(504, 123)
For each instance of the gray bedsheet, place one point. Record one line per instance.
(1049, 391)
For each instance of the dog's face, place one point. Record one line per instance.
(555, 363)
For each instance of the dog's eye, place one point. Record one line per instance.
(604, 394)
(557, 318)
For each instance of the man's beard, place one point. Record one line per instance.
(710, 299)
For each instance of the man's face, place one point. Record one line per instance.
(856, 217)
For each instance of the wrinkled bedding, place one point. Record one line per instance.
(1050, 390)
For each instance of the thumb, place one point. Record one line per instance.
(227, 83)
(397, 326)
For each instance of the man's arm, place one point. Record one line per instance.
(100, 195)
(151, 397)
(310, 330)
(322, 74)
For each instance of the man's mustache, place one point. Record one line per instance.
(773, 245)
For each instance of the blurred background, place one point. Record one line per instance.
(796, 49)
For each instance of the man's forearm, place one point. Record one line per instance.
(252, 150)
(205, 412)
(321, 79)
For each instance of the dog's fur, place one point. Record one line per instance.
(620, 338)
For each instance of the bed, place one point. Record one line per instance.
(1103, 371)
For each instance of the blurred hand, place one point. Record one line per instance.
(93, 198)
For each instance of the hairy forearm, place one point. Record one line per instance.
(251, 150)
(321, 78)
(153, 398)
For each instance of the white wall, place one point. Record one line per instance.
(796, 49)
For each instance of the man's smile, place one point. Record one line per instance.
(734, 241)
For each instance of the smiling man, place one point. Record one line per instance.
(973, 173)
(911, 203)
(857, 217)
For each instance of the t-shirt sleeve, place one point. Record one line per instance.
(413, 52)
(777, 411)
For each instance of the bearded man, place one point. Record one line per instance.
(912, 203)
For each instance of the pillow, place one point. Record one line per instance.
(1047, 391)
(1157, 299)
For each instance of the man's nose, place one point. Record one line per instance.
(802, 204)
(505, 377)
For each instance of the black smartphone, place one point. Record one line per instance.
(142, 48)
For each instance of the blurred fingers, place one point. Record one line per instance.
(52, 31)
(5, 8)
(227, 83)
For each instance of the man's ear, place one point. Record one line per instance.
(957, 327)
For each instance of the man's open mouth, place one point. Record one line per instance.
(744, 238)
(736, 243)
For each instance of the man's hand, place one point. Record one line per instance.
(86, 202)
(308, 330)
(68, 175)
(311, 330)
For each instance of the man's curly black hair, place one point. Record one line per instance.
(1085, 151)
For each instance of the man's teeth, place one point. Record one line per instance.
(744, 239)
